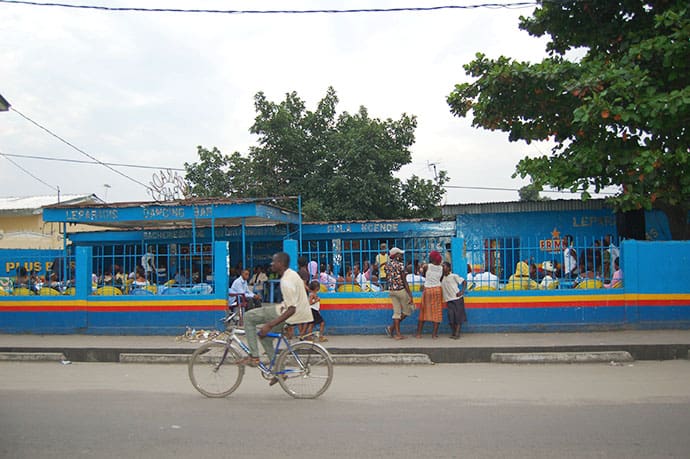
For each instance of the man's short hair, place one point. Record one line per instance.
(283, 258)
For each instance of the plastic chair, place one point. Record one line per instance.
(3, 292)
(108, 290)
(483, 288)
(173, 291)
(70, 291)
(47, 291)
(237, 302)
(22, 291)
(141, 292)
(349, 288)
(590, 284)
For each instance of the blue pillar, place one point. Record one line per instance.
(290, 247)
(83, 271)
(458, 262)
(220, 269)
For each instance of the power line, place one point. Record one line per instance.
(7, 157)
(78, 149)
(487, 188)
(82, 161)
(512, 5)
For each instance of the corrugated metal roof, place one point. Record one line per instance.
(37, 202)
(451, 210)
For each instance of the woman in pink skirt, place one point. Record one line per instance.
(432, 298)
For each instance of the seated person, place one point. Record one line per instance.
(550, 280)
(326, 278)
(109, 280)
(294, 310)
(180, 277)
(617, 279)
(240, 285)
(413, 279)
(258, 280)
(488, 280)
(140, 280)
(23, 279)
(587, 277)
(520, 280)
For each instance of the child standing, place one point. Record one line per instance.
(453, 295)
(315, 302)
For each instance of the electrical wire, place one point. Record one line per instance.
(511, 5)
(29, 173)
(79, 149)
(81, 161)
(487, 188)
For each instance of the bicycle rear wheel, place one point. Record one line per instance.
(306, 371)
(212, 370)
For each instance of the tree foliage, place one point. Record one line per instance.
(342, 165)
(620, 115)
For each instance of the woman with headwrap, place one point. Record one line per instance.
(432, 297)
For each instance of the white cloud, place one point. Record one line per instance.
(147, 88)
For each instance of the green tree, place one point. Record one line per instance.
(619, 115)
(531, 193)
(342, 165)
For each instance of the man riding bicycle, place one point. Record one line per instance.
(294, 310)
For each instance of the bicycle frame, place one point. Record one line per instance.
(265, 369)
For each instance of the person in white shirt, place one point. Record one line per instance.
(294, 310)
(412, 278)
(258, 280)
(486, 280)
(148, 261)
(240, 286)
(569, 258)
(453, 287)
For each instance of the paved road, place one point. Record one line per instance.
(468, 410)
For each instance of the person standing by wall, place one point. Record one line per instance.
(432, 297)
(381, 260)
(400, 293)
(453, 287)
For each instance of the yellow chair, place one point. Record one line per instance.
(349, 288)
(70, 291)
(483, 288)
(152, 288)
(22, 291)
(169, 283)
(590, 284)
(47, 291)
(416, 287)
(513, 286)
(323, 288)
(553, 285)
(618, 284)
(108, 290)
(3, 293)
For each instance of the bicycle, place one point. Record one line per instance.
(304, 370)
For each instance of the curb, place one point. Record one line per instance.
(32, 356)
(381, 359)
(562, 357)
(338, 359)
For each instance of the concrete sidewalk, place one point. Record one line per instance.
(474, 347)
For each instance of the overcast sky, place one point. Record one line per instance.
(147, 88)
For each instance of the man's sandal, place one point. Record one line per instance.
(249, 361)
(274, 380)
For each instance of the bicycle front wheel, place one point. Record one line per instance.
(213, 371)
(305, 370)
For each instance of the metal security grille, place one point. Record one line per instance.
(348, 265)
(512, 263)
